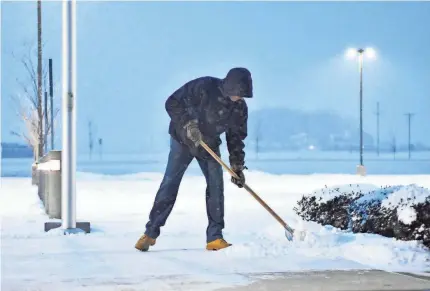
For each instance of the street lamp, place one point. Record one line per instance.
(353, 53)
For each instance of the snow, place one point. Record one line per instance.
(407, 215)
(407, 195)
(377, 195)
(118, 207)
(402, 197)
(329, 193)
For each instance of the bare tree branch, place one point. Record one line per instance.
(28, 95)
(25, 101)
(24, 137)
(28, 65)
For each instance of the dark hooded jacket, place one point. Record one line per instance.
(207, 100)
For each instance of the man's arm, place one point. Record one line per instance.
(235, 137)
(182, 104)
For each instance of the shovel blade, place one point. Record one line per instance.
(295, 235)
(289, 235)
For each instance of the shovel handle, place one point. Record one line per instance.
(247, 188)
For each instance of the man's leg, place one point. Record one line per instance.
(214, 197)
(179, 160)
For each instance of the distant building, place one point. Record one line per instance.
(15, 150)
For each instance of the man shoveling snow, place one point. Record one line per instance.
(202, 110)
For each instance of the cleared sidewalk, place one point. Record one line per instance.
(336, 281)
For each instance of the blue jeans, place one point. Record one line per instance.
(179, 160)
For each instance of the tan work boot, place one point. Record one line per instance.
(217, 244)
(144, 242)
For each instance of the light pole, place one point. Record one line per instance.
(360, 53)
(378, 113)
(68, 153)
(409, 115)
(69, 116)
(360, 61)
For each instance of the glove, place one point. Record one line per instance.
(193, 132)
(239, 171)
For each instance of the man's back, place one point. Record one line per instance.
(203, 99)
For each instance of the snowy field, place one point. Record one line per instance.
(118, 207)
(298, 162)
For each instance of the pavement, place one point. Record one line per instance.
(366, 280)
(357, 280)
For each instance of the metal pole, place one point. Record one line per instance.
(360, 51)
(409, 134)
(68, 182)
(45, 136)
(51, 101)
(90, 138)
(377, 128)
(39, 80)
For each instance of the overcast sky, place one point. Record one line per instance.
(132, 55)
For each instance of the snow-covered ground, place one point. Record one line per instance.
(282, 162)
(118, 207)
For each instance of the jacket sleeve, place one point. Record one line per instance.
(182, 105)
(235, 137)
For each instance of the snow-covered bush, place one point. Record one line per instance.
(402, 212)
(330, 206)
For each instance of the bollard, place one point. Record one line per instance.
(54, 186)
(34, 177)
(45, 182)
(361, 170)
(41, 185)
(49, 169)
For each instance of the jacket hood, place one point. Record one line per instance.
(238, 82)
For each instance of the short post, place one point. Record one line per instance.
(361, 170)
(40, 183)
(34, 178)
(54, 185)
(50, 169)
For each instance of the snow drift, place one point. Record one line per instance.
(118, 208)
(402, 212)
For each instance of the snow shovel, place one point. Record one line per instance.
(289, 232)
